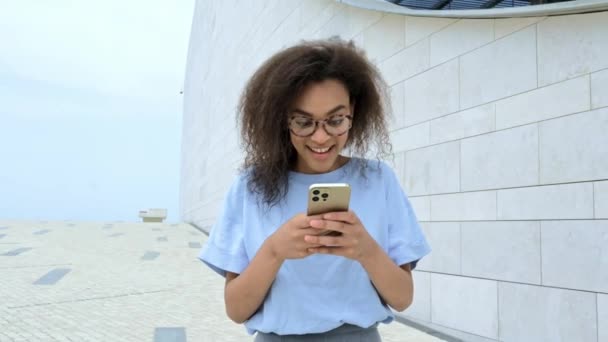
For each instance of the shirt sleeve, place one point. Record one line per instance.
(406, 242)
(225, 248)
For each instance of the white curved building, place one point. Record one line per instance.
(500, 134)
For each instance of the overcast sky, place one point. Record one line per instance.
(90, 107)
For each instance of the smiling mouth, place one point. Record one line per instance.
(320, 150)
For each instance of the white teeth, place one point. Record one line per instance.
(320, 150)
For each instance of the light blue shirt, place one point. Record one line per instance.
(320, 292)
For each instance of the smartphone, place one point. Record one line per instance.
(327, 197)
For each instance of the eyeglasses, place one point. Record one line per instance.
(335, 125)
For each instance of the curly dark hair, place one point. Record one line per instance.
(266, 100)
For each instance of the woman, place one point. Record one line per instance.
(299, 112)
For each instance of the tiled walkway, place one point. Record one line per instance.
(68, 281)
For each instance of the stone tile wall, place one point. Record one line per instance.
(499, 129)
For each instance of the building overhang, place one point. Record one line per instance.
(560, 8)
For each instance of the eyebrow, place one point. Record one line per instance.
(299, 111)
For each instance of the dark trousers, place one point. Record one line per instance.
(344, 333)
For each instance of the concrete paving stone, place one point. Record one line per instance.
(52, 277)
(194, 244)
(169, 335)
(149, 255)
(112, 294)
(16, 252)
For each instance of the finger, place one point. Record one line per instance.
(304, 221)
(313, 218)
(308, 231)
(329, 225)
(327, 250)
(325, 240)
(344, 216)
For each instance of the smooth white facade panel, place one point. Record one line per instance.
(337, 25)
(602, 311)
(313, 16)
(574, 148)
(445, 239)
(422, 92)
(421, 306)
(463, 124)
(600, 194)
(422, 207)
(465, 303)
(417, 28)
(360, 20)
(556, 100)
(410, 138)
(565, 201)
(459, 38)
(406, 63)
(433, 170)
(599, 89)
(502, 250)
(397, 94)
(532, 313)
(397, 162)
(466, 206)
(499, 138)
(501, 159)
(506, 26)
(379, 48)
(586, 41)
(488, 73)
(576, 246)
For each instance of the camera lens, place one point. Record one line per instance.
(316, 199)
(316, 192)
(325, 195)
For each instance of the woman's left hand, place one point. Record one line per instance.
(354, 243)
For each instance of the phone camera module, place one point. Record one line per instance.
(315, 199)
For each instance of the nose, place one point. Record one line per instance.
(320, 136)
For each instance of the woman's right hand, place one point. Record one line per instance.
(287, 242)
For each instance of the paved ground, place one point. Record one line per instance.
(62, 281)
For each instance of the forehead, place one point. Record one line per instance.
(319, 98)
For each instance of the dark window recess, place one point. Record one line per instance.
(468, 4)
